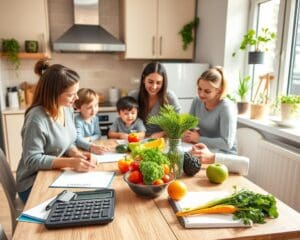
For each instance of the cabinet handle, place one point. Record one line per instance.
(153, 45)
(160, 45)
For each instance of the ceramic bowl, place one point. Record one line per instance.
(145, 191)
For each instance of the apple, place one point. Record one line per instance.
(217, 172)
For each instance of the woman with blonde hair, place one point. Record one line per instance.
(217, 115)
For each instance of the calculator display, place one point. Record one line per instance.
(93, 195)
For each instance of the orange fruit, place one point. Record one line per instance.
(177, 190)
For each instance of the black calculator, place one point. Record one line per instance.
(85, 208)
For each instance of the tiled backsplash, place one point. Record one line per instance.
(99, 71)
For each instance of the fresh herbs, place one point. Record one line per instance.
(251, 207)
(11, 47)
(172, 123)
(244, 87)
(187, 32)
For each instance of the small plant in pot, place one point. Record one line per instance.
(289, 105)
(259, 42)
(243, 89)
(11, 48)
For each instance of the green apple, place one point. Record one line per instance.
(217, 172)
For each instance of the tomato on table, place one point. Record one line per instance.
(133, 137)
(135, 177)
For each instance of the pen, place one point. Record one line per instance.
(50, 205)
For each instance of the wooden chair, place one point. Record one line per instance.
(8, 183)
(2, 233)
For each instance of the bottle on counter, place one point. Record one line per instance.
(13, 97)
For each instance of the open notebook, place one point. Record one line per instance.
(193, 199)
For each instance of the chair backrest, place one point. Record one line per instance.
(2, 233)
(248, 148)
(9, 186)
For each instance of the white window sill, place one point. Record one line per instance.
(269, 125)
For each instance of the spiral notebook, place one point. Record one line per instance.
(193, 199)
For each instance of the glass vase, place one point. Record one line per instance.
(175, 155)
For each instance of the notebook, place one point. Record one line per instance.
(193, 199)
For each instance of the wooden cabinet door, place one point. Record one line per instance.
(140, 25)
(172, 16)
(13, 141)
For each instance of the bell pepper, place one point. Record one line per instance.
(133, 137)
(124, 164)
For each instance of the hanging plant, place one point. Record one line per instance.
(11, 47)
(187, 32)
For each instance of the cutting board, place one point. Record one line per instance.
(193, 199)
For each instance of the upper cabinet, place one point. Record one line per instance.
(151, 28)
(25, 20)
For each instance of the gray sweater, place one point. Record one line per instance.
(43, 140)
(217, 127)
(173, 100)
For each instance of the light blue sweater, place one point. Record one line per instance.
(218, 126)
(43, 140)
(85, 129)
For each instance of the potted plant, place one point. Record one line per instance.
(187, 32)
(243, 89)
(11, 48)
(259, 42)
(174, 125)
(288, 107)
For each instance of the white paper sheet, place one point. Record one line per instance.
(37, 214)
(108, 157)
(93, 179)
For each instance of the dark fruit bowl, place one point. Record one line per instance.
(145, 191)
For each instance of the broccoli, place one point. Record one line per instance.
(151, 171)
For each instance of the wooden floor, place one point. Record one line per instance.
(5, 214)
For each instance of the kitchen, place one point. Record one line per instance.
(103, 71)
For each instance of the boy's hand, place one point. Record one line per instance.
(99, 149)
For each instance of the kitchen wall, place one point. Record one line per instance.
(222, 24)
(99, 71)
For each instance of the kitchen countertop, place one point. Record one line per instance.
(106, 107)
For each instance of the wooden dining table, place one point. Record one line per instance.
(141, 218)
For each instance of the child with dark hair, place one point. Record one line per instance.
(127, 122)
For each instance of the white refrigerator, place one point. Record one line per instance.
(182, 79)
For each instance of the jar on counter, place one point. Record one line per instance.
(13, 97)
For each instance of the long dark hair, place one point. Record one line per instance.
(143, 97)
(54, 80)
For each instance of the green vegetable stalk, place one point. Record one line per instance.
(252, 207)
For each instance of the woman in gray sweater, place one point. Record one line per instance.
(152, 94)
(48, 133)
(217, 115)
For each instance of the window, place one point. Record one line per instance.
(294, 73)
(283, 57)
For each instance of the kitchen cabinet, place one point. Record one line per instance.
(151, 28)
(25, 20)
(12, 125)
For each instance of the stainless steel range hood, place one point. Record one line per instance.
(86, 34)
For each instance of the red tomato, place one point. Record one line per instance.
(133, 137)
(158, 182)
(134, 166)
(123, 165)
(166, 178)
(135, 176)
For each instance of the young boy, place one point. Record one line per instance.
(87, 123)
(127, 122)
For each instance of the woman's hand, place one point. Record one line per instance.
(201, 151)
(191, 136)
(99, 149)
(81, 165)
(157, 135)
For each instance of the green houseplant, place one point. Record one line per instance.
(11, 48)
(187, 32)
(243, 89)
(289, 105)
(174, 125)
(260, 43)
